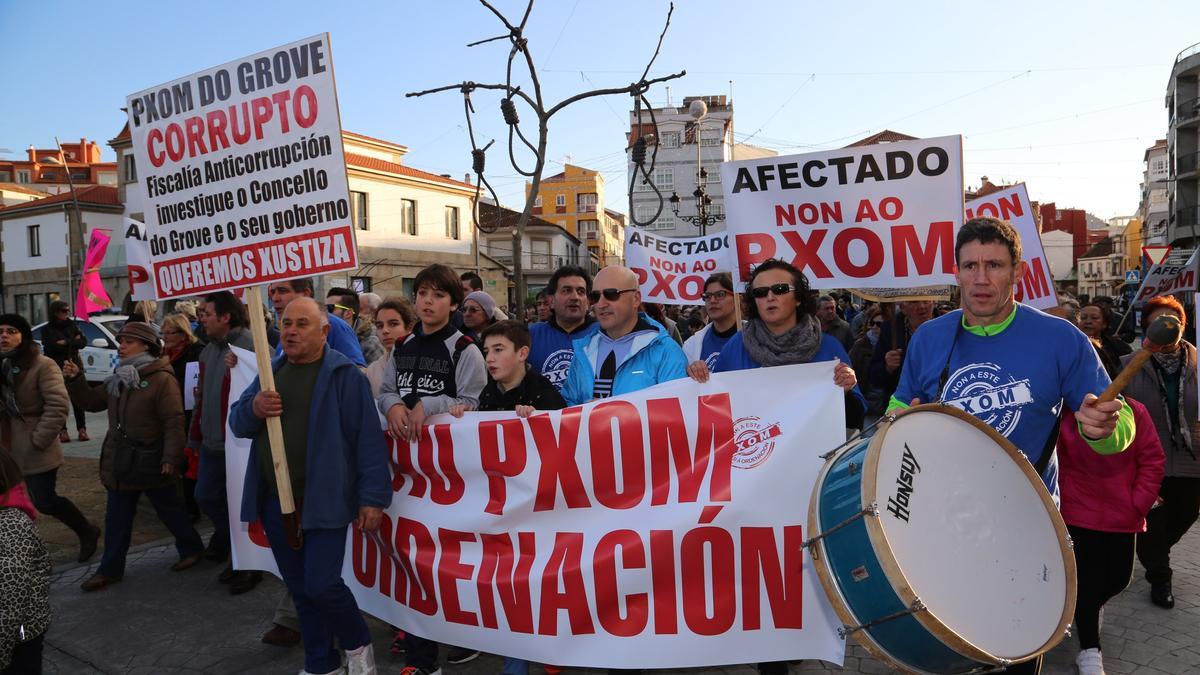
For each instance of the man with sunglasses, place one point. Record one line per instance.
(552, 350)
(720, 302)
(630, 351)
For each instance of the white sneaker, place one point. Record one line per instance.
(361, 661)
(1089, 662)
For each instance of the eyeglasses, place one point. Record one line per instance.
(777, 289)
(610, 294)
(877, 322)
(331, 308)
(469, 309)
(6, 330)
(715, 295)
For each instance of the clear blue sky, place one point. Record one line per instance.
(1065, 96)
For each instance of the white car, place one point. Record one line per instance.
(99, 356)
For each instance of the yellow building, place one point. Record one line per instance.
(1133, 244)
(574, 200)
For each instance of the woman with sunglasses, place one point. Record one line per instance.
(860, 359)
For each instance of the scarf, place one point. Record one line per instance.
(1169, 362)
(793, 346)
(18, 498)
(126, 375)
(873, 337)
(8, 385)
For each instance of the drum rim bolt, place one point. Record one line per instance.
(917, 606)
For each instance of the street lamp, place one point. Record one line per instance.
(704, 216)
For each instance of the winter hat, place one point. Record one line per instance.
(139, 330)
(17, 321)
(485, 301)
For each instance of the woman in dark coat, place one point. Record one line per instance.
(61, 342)
(181, 347)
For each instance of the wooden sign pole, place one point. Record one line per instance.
(266, 378)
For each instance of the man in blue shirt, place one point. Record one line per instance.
(1008, 364)
(552, 352)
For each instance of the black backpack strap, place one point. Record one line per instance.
(1049, 448)
(460, 346)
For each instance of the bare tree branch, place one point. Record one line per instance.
(632, 90)
(660, 41)
(512, 91)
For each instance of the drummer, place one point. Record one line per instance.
(1010, 365)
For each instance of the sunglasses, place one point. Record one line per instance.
(715, 295)
(877, 322)
(609, 294)
(331, 308)
(777, 289)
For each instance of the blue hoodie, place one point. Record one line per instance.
(652, 359)
(347, 460)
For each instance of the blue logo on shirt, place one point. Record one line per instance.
(985, 391)
(556, 365)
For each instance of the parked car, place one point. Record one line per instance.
(100, 334)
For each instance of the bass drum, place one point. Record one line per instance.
(940, 547)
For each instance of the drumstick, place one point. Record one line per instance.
(1163, 334)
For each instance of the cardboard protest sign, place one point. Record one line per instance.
(1036, 288)
(243, 173)
(639, 531)
(672, 270)
(137, 260)
(873, 216)
(1168, 278)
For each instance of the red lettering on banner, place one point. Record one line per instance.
(905, 243)
(498, 469)
(416, 550)
(808, 214)
(841, 252)
(452, 489)
(866, 212)
(608, 599)
(402, 467)
(752, 249)
(371, 565)
(633, 456)
(558, 461)
(498, 576)
(450, 571)
(566, 562)
(807, 252)
(662, 284)
(669, 448)
(701, 584)
(1005, 208)
(784, 582)
(138, 275)
(1033, 283)
(662, 580)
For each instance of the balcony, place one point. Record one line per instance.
(1187, 113)
(1186, 165)
(534, 262)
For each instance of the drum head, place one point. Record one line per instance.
(972, 532)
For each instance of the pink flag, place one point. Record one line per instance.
(92, 296)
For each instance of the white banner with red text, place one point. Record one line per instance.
(661, 529)
(1168, 279)
(1036, 287)
(242, 172)
(875, 216)
(672, 270)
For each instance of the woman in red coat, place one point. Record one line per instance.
(1105, 499)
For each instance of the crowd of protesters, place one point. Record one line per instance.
(451, 348)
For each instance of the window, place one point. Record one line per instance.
(664, 179)
(23, 177)
(408, 216)
(537, 202)
(92, 332)
(540, 255)
(358, 210)
(23, 305)
(452, 222)
(34, 238)
(665, 221)
(360, 284)
(37, 309)
(585, 203)
(560, 200)
(130, 168)
(5, 177)
(590, 229)
(670, 139)
(49, 175)
(710, 138)
(712, 173)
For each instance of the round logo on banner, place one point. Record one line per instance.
(754, 441)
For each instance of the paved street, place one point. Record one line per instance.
(157, 621)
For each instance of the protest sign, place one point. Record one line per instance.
(1036, 287)
(137, 260)
(242, 172)
(249, 550)
(672, 270)
(660, 529)
(1168, 278)
(92, 297)
(873, 216)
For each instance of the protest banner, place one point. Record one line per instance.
(881, 216)
(137, 260)
(249, 549)
(1168, 278)
(672, 270)
(1036, 287)
(92, 297)
(242, 172)
(661, 529)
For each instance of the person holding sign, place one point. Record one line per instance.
(338, 463)
(1011, 366)
(720, 301)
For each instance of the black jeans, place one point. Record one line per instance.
(43, 493)
(1166, 525)
(26, 658)
(1105, 565)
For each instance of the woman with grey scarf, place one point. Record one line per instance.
(1166, 385)
(143, 450)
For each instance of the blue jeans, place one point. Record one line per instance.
(313, 575)
(212, 497)
(118, 525)
(515, 666)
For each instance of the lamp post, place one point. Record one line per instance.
(704, 216)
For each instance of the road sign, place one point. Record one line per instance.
(1156, 254)
(1131, 276)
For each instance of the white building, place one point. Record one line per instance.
(1154, 209)
(1057, 246)
(687, 150)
